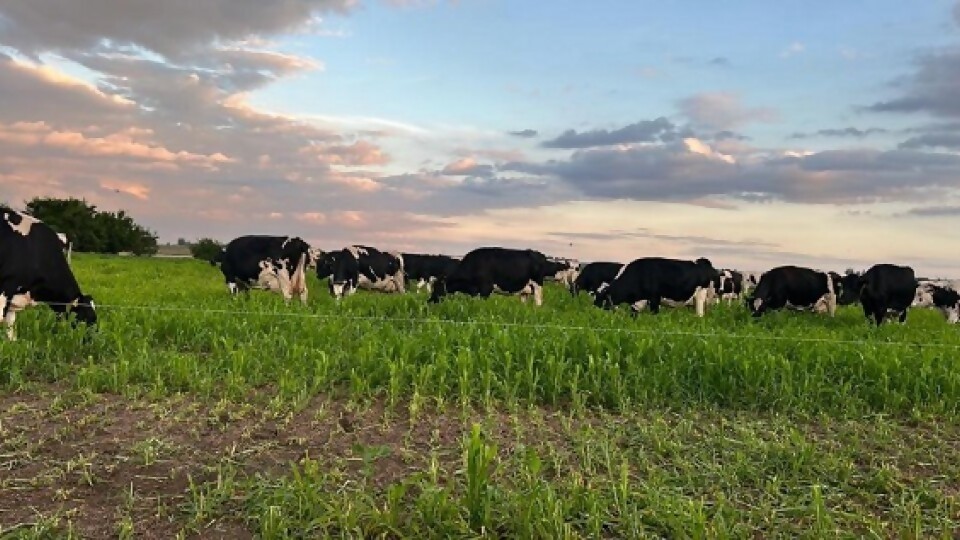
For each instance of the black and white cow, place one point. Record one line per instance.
(883, 290)
(730, 286)
(652, 281)
(34, 269)
(427, 269)
(563, 271)
(595, 276)
(244, 259)
(67, 245)
(361, 267)
(750, 281)
(489, 270)
(941, 295)
(797, 288)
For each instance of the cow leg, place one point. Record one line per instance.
(303, 295)
(655, 304)
(832, 304)
(3, 312)
(903, 316)
(537, 294)
(485, 290)
(700, 300)
(9, 320)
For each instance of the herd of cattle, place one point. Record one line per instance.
(279, 263)
(35, 268)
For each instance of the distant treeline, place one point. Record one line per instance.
(92, 230)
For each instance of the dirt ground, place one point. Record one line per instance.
(95, 463)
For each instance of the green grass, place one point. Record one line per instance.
(388, 417)
(169, 326)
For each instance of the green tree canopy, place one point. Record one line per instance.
(92, 230)
(206, 249)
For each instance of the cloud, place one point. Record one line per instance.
(840, 132)
(645, 233)
(933, 140)
(692, 169)
(36, 93)
(956, 13)
(793, 49)
(723, 111)
(524, 133)
(659, 129)
(171, 28)
(935, 211)
(468, 167)
(931, 89)
(719, 61)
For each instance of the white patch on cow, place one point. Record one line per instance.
(3, 307)
(669, 302)
(923, 296)
(757, 302)
(26, 223)
(337, 290)
(700, 299)
(314, 255)
(620, 272)
(640, 305)
(285, 242)
(298, 281)
(16, 304)
(532, 288)
(952, 313)
(603, 286)
(356, 251)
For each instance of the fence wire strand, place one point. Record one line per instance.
(511, 324)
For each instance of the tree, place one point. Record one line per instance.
(206, 249)
(91, 230)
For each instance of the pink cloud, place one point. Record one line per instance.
(138, 191)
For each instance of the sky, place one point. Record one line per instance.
(754, 133)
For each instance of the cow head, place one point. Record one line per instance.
(438, 292)
(948, 302)
(84, 310)
(314, 256)
(755, 305)
(344, 268)
(602, 298)
(849, 287)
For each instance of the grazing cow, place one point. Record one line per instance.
(361, 267)
(750, 281)
(882, 290)
(489, 270)
(34, 269)
(244, 259)
(938, 295)
(594, 277)
(730, 286)
(275, 277)
(427, 269)
(650, 281)
(795, 288)
(563, 271)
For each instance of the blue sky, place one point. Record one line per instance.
(500, 65)
(387, 122)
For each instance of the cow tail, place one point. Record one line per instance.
(298, 280)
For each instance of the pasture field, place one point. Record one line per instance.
(195, 414)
